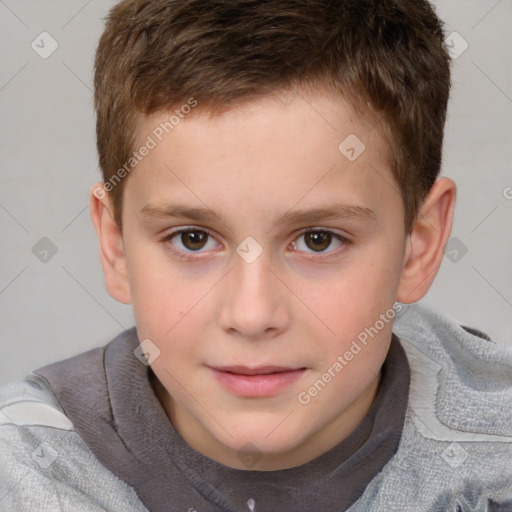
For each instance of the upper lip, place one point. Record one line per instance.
(260, 370)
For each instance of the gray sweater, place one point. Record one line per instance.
(88, 434)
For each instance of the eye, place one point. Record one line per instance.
(317, 241)
(190, 240)
(186, 241)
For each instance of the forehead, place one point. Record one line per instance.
(299, 110)
(291, 148)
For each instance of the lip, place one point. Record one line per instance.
(263, 381)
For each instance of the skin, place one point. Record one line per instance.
(296, 305)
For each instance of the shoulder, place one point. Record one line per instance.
(456, 445)
(457, 376)
(470, 375)
(44, 464)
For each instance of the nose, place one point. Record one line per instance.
(253, 303)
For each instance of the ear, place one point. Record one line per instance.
(427, 241)
(113, 259)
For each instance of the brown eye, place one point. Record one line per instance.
(194, 240)
(318, 240)
(191, 243)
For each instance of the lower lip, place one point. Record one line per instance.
(257, 386)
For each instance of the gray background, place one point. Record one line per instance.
(53, 306)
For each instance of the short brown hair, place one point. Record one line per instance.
(387, 56)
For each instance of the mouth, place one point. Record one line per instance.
(258, 382)
(262, 370)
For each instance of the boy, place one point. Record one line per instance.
(269, 205)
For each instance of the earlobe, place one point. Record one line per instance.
(427, 241)
(112, 254)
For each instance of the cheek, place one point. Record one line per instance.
(360, 293)
(168, 310)
(354, 301)
(159, 302)
(157, 296)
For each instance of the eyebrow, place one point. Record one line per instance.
(336, 211)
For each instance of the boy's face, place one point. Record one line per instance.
(244, 291)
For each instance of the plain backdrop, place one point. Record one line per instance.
(52, 298)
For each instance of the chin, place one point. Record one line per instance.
(268, 437)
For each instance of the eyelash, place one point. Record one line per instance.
(192, 255)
